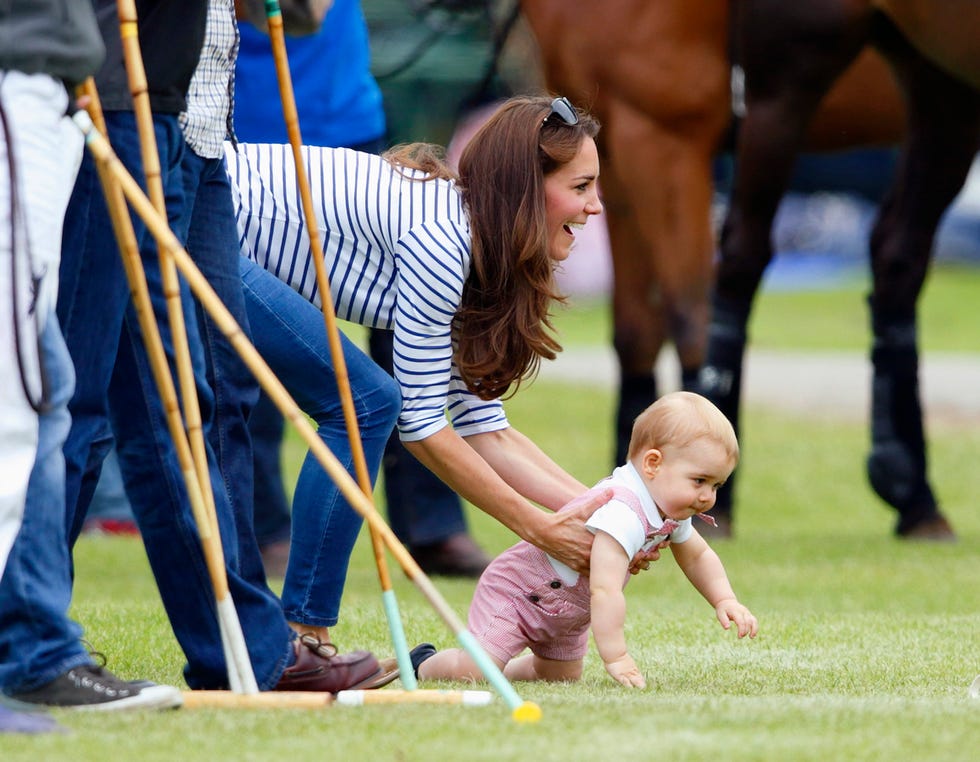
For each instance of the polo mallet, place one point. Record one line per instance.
(390, 603)
(975, 687)
(461, 698)
(522, 711)
(240, 675)
(300, 700)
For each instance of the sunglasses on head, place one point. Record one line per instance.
(564, 110)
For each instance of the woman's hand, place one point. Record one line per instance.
(566, 537)
(641, 561)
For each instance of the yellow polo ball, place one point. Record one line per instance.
(527, 712)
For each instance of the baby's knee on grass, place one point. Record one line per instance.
(558, 671)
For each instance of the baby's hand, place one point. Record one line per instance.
(625, 672)
(730, 610)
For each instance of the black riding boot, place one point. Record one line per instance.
(897, 461)
(636, 394)
(720, 379)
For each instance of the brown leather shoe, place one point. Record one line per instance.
(319, 667)
(456, 556)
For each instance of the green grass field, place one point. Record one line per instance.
(866, 648)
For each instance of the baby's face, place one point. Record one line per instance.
(686, 480)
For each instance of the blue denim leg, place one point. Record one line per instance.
(152, 473)
(92, 298)
(422, 509)
(38, 641)
(289, 333)
(212, 241)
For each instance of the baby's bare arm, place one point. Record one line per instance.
(702, 566)
(609, 564)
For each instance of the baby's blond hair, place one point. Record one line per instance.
(678, 419)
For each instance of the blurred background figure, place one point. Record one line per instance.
(110, 511)
(340, 104)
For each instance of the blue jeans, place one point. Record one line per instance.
(289, 333)
(116, 384)
(273, 521)
(212, 242)
(38, 641)
(422, 509)
(92, 295)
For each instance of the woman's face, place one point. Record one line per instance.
(571, 196)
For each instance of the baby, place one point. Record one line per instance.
(681, 451)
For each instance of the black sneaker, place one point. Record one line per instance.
(419, 654)
(97, 689)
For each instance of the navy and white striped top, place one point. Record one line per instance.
(397, 254)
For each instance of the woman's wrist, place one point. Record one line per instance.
(533, 525)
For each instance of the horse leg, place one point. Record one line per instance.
(638, 331)
(943, 130)
(671, 248)
(788, 69)
(657, 186)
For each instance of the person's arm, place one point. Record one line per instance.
(609, 566)
(526, 468)
(499, 472)
(704, 569)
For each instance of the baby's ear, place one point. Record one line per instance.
(652, 459)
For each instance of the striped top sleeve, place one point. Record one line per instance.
(396, 251)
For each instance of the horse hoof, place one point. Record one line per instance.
(934, 529)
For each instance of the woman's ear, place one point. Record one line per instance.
(652, 459)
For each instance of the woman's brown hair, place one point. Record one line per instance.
(502, 328)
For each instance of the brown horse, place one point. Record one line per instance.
(944, 32)
(657, 74)
(792, 53)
